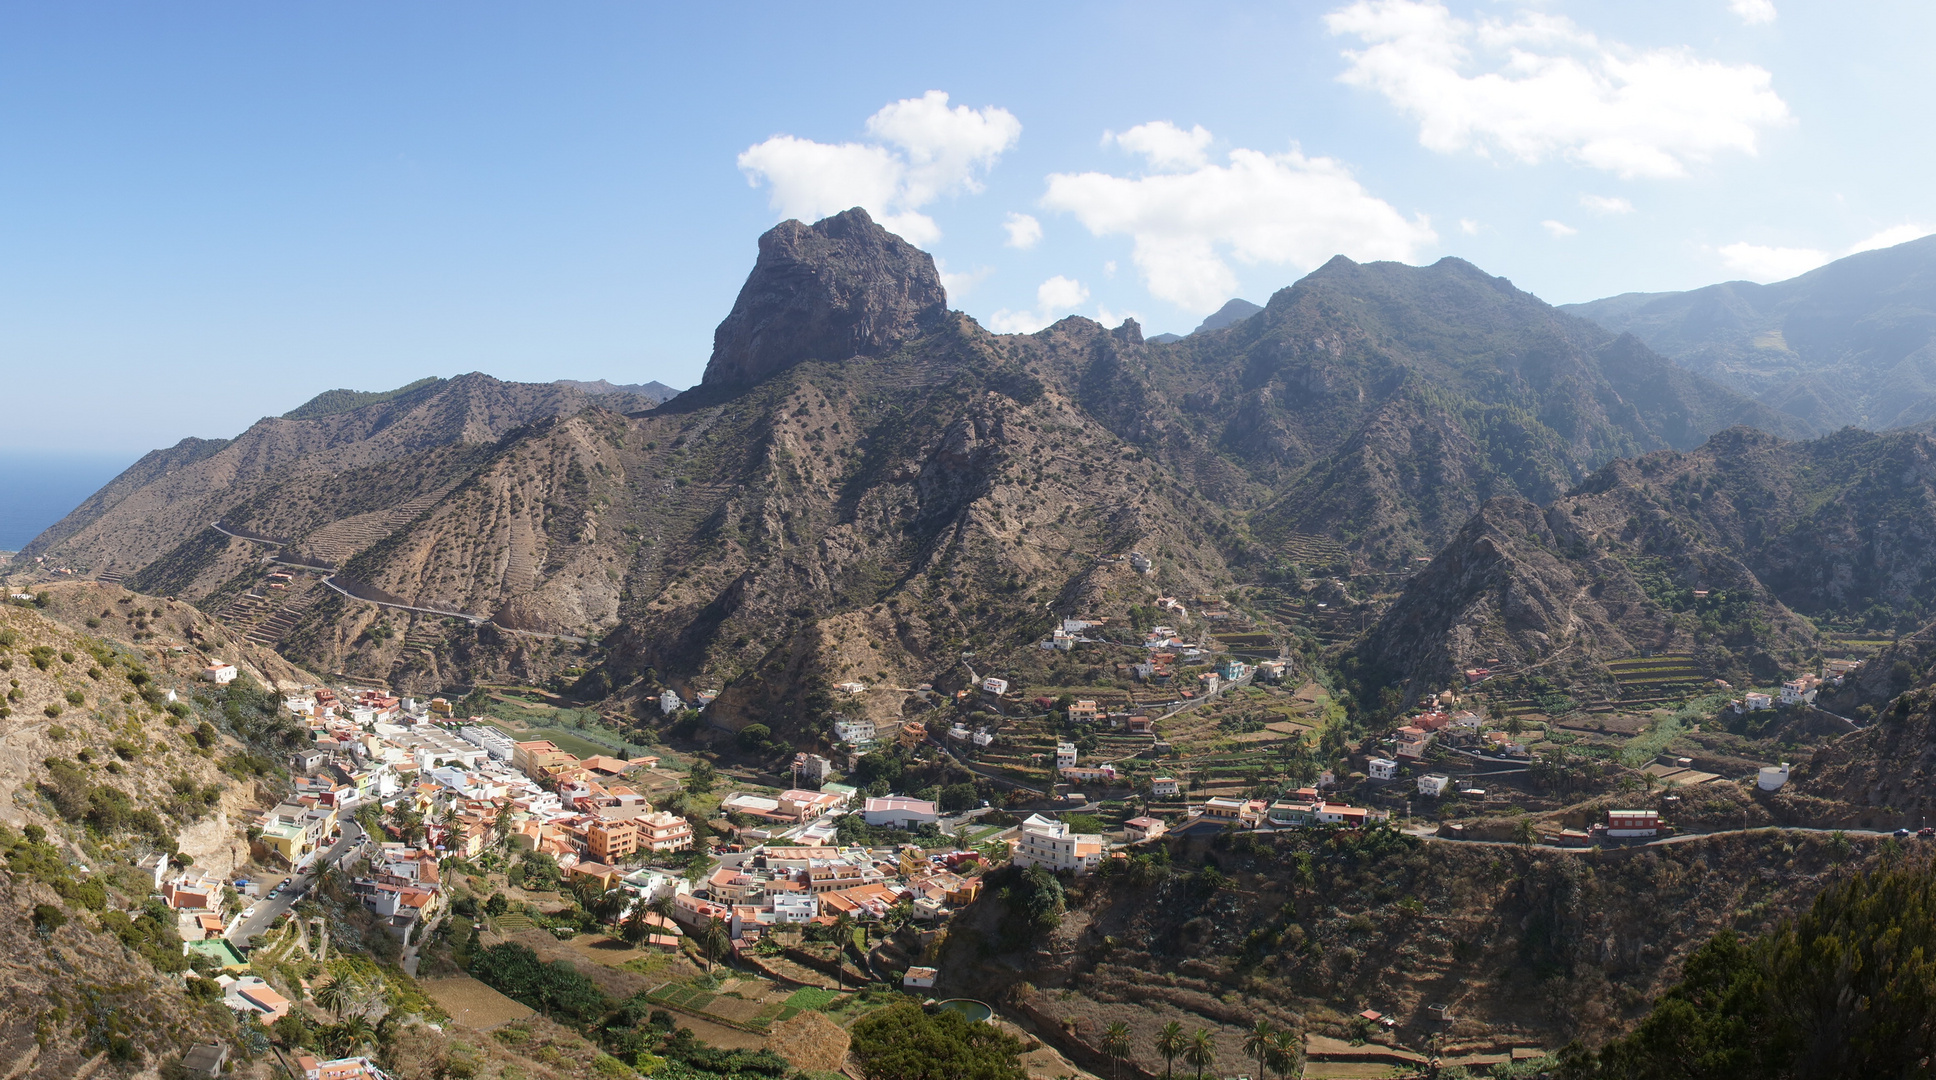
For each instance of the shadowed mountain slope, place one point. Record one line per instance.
(1739, 553)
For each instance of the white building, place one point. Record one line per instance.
(858, 732)
(899, 812)
(1047, 842)
(218, 672)
(794, 907)
(995, 686)
(1433, 784)
(1164, 787)
(919, 978)
(670, 703)
(488, 739)
(1065, 755)
(1383, 769)
(1772, 777)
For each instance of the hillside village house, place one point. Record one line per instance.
(1382, 768)
(1050, 843)
(1800, 691)
(1085, 711)
(995, 686)
(219, 673)
(1137, 829)
(1433, 784)
(1411, 741)
(1243, 812)
(1065, 755)
(1164, 787)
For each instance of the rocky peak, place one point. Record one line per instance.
(840, 287)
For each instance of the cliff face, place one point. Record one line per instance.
(838, 288)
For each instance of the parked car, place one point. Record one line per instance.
(1926, 832)
(1902, 834)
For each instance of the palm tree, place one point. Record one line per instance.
(333, 996)
(1170, 1043)
(1285, 1052)
(843, 939)
(635, 929)
(1256, 1042)
(662, 906)
(1202, 1052)
(344, 1038)
(1115, 1043)
(713, 939)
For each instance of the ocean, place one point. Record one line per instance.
(38, 489)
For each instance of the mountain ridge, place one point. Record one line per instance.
(1849, 343)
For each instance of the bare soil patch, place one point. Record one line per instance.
(810, 1042)
(473, 1004)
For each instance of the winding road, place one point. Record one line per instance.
(297, 886)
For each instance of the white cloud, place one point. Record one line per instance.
(1606, 204)
(1109, 268)
(1054, 298)
(1023, 231)
(1541, 86)
(1757, 263)
(1753, 12)
(1110, 317)
(1281, 209)
(920, 150)
(1167, 146)
(1559, 230)
(963, 283)
(1468, 226)
(1890, 237)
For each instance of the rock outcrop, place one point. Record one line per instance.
(838, 288)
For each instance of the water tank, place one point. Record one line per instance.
(1772, 777)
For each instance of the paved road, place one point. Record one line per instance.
(244, 930)
(1427, 832)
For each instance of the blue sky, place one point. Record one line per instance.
(210, 212)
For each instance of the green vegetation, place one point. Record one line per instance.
(902, 1042)
(332, 402)
(1845, 990)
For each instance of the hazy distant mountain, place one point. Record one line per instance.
(1232, 313)
(1853, 342)
(657, 391)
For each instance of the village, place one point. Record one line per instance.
(394, 800)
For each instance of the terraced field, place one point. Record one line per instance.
(1857, 646)
(1651, 679)
(1311, 551)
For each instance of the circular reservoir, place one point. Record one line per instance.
(968, 1009)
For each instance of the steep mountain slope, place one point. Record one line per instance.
(1381, 404)
(899, 485)
(1720, 552)
(1875, 777)
(866, 484)
(1853, 342)
(291, 476)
